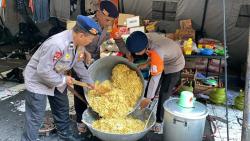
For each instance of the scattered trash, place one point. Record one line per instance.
(234, 127)
(20, 106)
(9, 92)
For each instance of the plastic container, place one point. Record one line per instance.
(218, 96)
(186, 99)
(239, 101)
(183, 124)
(188, 47)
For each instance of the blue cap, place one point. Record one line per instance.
(136, 42)
(109, 9)
(88, 24)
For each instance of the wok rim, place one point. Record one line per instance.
(145, 130)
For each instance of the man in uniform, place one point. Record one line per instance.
(165, 59)
(105, 16)
(45, 77)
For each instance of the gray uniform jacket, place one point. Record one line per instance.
(46, 69)
(169, 51)
(94, 47)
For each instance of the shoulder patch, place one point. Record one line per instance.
(57, 56)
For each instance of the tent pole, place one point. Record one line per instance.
(245, 136)
(225, 65)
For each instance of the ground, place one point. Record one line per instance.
(12, 118)
(12, 115)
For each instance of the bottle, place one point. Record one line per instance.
(188, 45)
(239, 100)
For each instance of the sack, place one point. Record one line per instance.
(58, 27)
(15, 75)
(55, 29)
(25, 35)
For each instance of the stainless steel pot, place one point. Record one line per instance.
(183, 124)
(102, 70)
(89, 116)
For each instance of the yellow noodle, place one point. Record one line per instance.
(119, 125)
(124, 90)
(114, 99)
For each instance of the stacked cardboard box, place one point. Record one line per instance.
(164, 10)
(186, 30)
(129, 23)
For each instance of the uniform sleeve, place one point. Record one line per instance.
(82, 72)
(121, 45)
(45, 67)
(103, 38)
(156, 63)
(94, 47)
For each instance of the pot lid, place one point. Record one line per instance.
(199, 110)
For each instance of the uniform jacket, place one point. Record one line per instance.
(46, 69)
(94, 47)
(169, 51)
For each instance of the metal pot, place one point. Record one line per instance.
(89, 117)
(183, 124)
(102, 70)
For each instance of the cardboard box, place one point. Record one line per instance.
(122, 20)
(164, 10)
(185, 34)
(166, 16)
(133, 22)
(170, 36)
(186, 24)
(140, 28)
(70, 24)
(169, 6)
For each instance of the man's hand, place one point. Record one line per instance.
(129, 57)
(117, 35)
(92, 86)
(142, 66)
(69, 80)
(87, 58)
(145, 102)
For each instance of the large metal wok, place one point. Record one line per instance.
(89, 116)
(102, 70)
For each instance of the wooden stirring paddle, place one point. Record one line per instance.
(83, 84)
(99, 88)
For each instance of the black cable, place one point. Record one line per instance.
(225, 57)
